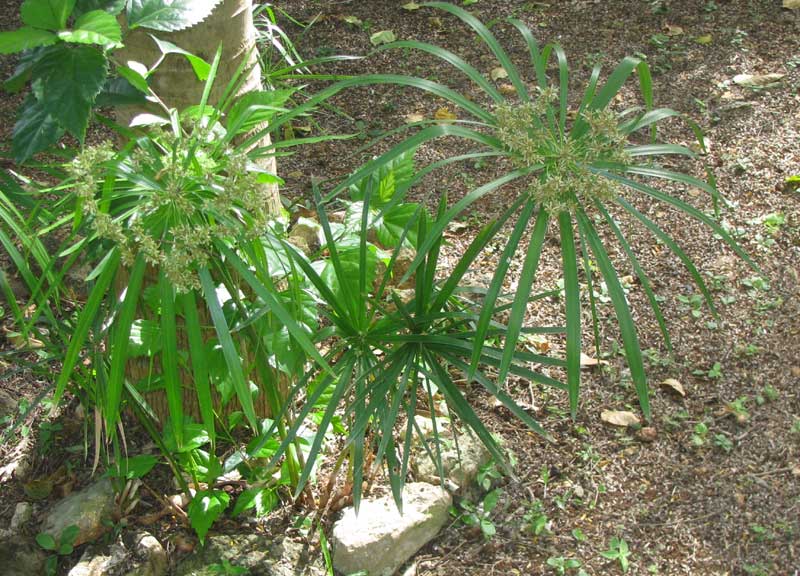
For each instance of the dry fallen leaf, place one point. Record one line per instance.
(507, 89)
(588, 361)
(498, 73)
(382, 37)
(415, 117)
(410, 6)
(704, 39)
(795, 371)
(791, 4)
(619, 418)
(444, 114)
(758, 80)
(674, 385)
(671, 30)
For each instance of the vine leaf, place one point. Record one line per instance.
(35, 130)
(169, 15)
(95, 27)
(25, 38)
(46, 14)
(67, 83)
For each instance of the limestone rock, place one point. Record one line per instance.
(87, 509)
(258, 554)
(20, 556)
(22, 515)
(460, 464)
(136, 554)
(381, 538)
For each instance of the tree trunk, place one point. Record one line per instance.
(231, 25)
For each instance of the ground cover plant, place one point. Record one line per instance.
(377, 340)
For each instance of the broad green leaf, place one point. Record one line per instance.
(96, 27)
(136, 466)
(169, 16)
(22, 73)
(46, 541)
(262, 499)
(25, 38)
(47, 14)
(69, 80)
(35, 130)
(201, 67)
(134, 78)
(119, 92)
(205, 508)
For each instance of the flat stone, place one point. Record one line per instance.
(88, 509)
(20, 556)
(259, 554)
(381, 538)
(22, 515)
(136, 554)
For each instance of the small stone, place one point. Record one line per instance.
(22, 515)
(20, 556)
(381, 538)
(89, 509)
(8, 405)
(648, 434)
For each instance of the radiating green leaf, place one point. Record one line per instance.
(572, 299)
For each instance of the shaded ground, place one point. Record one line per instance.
(727, 502)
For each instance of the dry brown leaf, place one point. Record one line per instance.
(498, 73)
(648, 434)
(619, 418)
(791, 4)
(671, 30)
(674, 385)
(507, 89)
(758, 80)
(588, 361)
(795, 371)
(415, 117)
(444, 114)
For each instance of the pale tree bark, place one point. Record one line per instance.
(231, 25)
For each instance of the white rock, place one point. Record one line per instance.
(22, 514)
(380, 539)
(89, 509)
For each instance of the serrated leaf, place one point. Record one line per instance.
(47, 14)
(205, 508)
(35, 131)
(382, 37)
(22, 73)
(25, 38)
(70, 78)
(96, 27)
(119, 92)
(169, 15)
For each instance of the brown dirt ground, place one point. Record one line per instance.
(682, 509)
